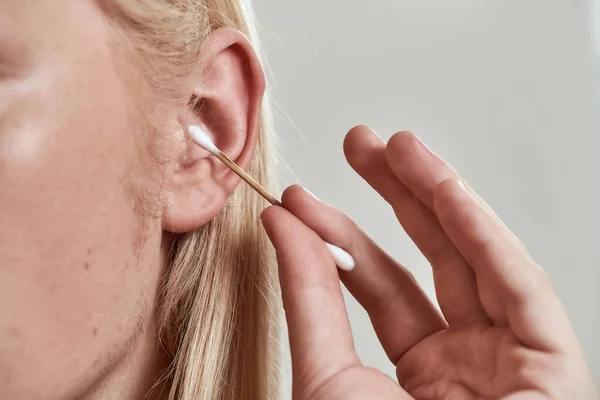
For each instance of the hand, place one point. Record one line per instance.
(503, 332)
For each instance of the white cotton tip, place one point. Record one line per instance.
(342, 259)
(201, 138)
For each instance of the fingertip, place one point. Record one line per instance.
(294, 193)
(270, 217)
(358, 130)
(302, 203)
(446, 187)
(265, 215)
(358, 143)
(401, 139)
(402, 135)
(401, 145)
(351, 139)
(281, 224)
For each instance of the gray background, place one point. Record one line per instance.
(507, 90)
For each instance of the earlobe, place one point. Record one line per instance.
(226, 103)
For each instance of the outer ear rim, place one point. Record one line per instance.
(229, 37)
(186, 219)
(226, 39)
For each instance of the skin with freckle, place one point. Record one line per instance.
(131, 267)
(68, 203)
(114, 280)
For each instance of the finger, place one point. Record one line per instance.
(401, 313)
(416, 166)
(319, 332)
(527, 301)
(420, 169)
(456, 289)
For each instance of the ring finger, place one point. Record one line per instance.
(455, 282)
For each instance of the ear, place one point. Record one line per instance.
(226, 103)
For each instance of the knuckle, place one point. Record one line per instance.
(540, 279)
(533, 282)
(440, 255)
(383, 305)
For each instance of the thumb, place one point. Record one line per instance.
(319, 331)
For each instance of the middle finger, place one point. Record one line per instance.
(455, 281)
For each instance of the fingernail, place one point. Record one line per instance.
(461, 191)
(374, 132)
(261, 215)
(474, 195)
(310, 193)
(465, 186)
(266, 228)
(422, 144)
(467, 191)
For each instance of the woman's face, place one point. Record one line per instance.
(78, 260)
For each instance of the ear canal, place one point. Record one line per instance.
(195, 104)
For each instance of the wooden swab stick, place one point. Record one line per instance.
(249, 180)
(343, 260)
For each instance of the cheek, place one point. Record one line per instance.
(73, 287)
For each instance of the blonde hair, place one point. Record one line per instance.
(218, 313)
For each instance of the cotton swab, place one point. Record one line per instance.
(342, 259)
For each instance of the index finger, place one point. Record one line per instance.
(319, 331)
